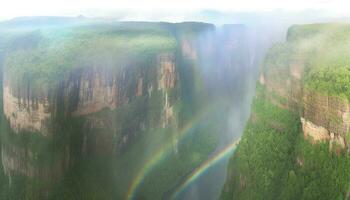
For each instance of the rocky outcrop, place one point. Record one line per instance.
(316, 133)
(168, 112)
(48, 112)
(329, 113)
(321, 115)
(324, 117)
(166, 80)
(98, 88)
(25, 111)
(83, 93)
(166, 71)
(100, 104)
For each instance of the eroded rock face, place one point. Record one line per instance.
(314, 132)
(29, 113)
(332, 113)
(168, 112)
(321, 115)
(166, 72)
(82, 94)
(27, 117)
(101, 87)
(99, 106)
(166, 80)
(98, 89)
(329, 112)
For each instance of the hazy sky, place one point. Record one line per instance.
(14, 8)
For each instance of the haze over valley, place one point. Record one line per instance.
(174, 100)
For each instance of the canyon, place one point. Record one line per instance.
(99, 109)
(93, 102)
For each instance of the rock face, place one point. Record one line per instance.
(300, 87)
(92, 109)
(29, 115)
(26, 112)
(98, 89)
(329, 112)
(317, 133)
(324, 117)
(102, 104)
(87, 92)
(166, 72)
(321, 115)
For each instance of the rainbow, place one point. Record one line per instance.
(162, 153)
(224, 153)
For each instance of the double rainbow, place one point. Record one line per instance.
(204, 167)
(162, 153)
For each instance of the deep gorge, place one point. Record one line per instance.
(100, 110)
(106, 109)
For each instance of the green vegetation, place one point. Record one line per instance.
(43, 56)
(192, 150)
(278, 57)
(265, 153)
(273, 161)
(104, 160)
(325, 51)
(103, 177)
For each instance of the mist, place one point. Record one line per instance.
(232, 72)
(178, 76)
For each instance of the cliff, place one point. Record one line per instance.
(302, 91)
(92, 102)
(70, 93)
(311, 80)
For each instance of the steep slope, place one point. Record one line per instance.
(96, 109)
(74, 92)
(296, 142)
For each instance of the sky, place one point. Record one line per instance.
(16, 8)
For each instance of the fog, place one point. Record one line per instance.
(230, 58)
(157, 8)
(233, 71)
(230, 72)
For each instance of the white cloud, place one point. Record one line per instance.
(13, 8)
